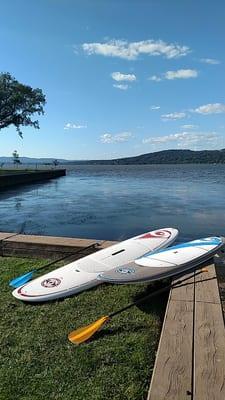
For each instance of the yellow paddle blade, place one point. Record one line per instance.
(204, 270)
(80, 335)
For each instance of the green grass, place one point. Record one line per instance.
(38, 362)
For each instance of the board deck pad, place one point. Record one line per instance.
(83, 273)
(164, 263)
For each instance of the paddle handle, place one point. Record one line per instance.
(148, 296)
(68, 255)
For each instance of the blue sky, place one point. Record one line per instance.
(121, 78)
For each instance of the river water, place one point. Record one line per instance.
(117, 202)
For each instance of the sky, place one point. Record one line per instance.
(121, 77)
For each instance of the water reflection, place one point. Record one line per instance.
(115, 202)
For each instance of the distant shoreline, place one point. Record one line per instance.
(159, 157)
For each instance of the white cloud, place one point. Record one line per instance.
(155, 78)
(185, 139)
(215, 108)
(117, 76)
(132, 50)
(173, 116)
(181, 74)
(189, 126)
(212, 61)
(122, 86)
(70, 125)
(117, 138)
(155, 107)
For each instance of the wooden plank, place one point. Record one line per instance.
(184, 291)
(209, 359)
(207, 287)
(190, 362)
(209, 340)
(172, 375)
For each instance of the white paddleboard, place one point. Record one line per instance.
(82, 274)
(164, 263)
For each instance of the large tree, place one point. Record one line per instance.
(18, 103)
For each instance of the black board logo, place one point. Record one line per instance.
(126, 270)
(51, 282)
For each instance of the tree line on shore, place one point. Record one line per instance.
(165, 157)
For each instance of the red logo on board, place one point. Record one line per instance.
(51, 282)
(155, 234)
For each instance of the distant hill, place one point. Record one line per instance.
(159, 157)
(176, 157)
(167, 157)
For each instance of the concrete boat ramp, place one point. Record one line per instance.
(21, 177)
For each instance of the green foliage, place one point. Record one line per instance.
(18, 103)
(55, 162)
(38, 362)
(16, 157)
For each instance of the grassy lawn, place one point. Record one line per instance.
(38, 362)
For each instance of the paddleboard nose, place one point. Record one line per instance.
(54, 285)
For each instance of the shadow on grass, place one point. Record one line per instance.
(115, 331)
(157, 304)
(155, 307)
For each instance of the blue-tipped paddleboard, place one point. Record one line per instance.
(165, 263)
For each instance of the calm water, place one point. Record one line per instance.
(115, 202)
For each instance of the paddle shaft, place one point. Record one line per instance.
(148, 296)
(68, 255)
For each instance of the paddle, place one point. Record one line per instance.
(80, 335)
(22, 279)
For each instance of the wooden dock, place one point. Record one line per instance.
(190, 362)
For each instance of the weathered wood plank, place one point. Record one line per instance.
(190, 362)
(184, 291)
(207, 287)
(209, 339)
(172, 375)
(209, 359)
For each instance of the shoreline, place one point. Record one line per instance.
(21, 177)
